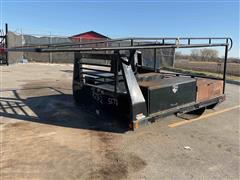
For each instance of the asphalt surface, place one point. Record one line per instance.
(45, 136)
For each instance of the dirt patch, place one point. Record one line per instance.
(17, 124)
(113, 163)
(20, 127)
(113, 171)
(135, 162)
(46, 86)
(118, 166)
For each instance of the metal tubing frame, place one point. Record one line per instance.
(225, 68)
(97, 75)
(88, 49)
(64, 47)
(6, 41)
(116, 72)
(94, 64)
(155, 59)
(131, 39)
(92, 69)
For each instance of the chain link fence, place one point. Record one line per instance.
(15, 39)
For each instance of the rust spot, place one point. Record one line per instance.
(208, 89)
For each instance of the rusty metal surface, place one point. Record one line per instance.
(208, 89)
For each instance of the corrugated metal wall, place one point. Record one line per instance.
(164, 57)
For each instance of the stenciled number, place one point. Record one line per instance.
(97, 96)
(113, 101)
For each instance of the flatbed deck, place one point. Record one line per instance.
(123, 80)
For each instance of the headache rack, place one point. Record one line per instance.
(112, 75)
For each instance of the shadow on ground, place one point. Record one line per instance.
(67, 71)
(59, 110)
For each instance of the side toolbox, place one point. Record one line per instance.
(168, 93)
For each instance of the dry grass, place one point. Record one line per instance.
(206, 73)
(233, 69)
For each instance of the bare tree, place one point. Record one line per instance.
(209, 54)
(178, 55)
(195, 54)
(204, 55)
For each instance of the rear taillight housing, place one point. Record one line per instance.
(2, 50)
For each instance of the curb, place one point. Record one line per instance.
(233, 82)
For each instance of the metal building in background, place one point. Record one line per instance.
(88, 36)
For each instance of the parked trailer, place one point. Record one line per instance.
(111, 76)
(3, 46)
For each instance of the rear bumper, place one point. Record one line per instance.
(179, 109)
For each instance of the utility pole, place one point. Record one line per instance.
(50, 54)
(22, 43)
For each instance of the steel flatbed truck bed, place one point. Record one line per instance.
(112, 76)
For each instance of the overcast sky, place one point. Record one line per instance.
(124, 19)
